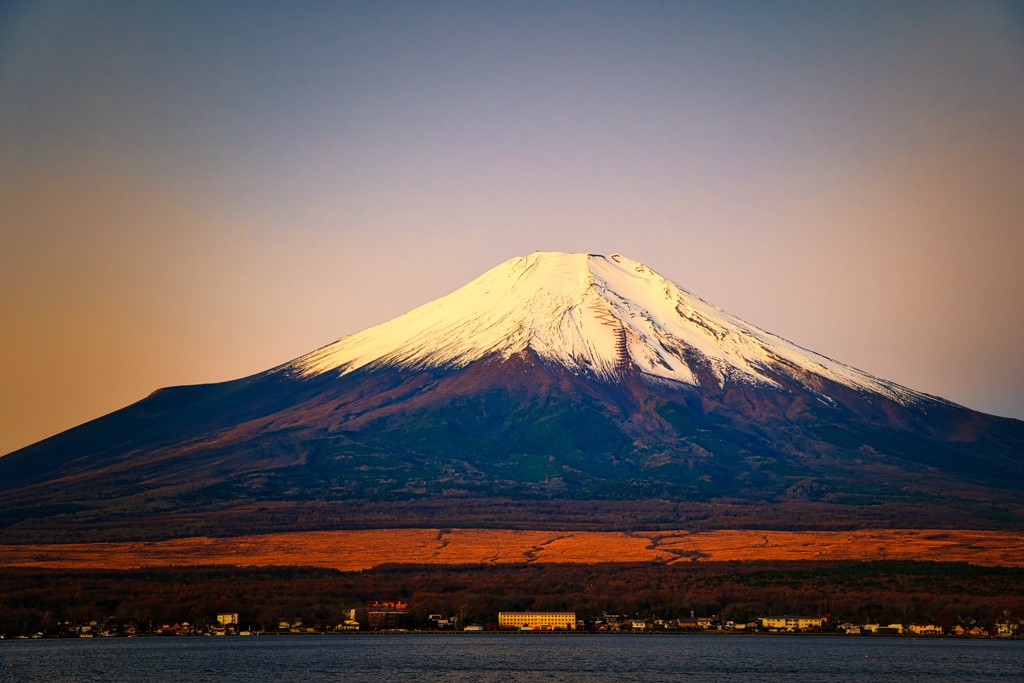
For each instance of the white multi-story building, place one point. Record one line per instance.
(538, 621)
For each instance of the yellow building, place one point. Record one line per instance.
(926, 629)
(538, 621)
(792, 623)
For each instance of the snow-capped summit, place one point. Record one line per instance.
(592, 314)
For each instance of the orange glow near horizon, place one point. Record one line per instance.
(195, 194)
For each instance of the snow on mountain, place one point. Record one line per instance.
(594, 315)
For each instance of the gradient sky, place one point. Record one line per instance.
(194, 192)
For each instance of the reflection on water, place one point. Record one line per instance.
(521, 657)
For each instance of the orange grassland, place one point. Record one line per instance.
(363, 549)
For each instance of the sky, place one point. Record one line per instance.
(193, 192)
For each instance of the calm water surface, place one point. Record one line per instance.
(460, 658)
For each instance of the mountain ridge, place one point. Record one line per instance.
(556, 398)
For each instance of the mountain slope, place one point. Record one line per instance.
(556, 389)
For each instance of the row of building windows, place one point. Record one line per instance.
(538, 620)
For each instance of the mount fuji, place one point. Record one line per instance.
(556, 390)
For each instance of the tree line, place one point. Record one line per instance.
(33, 600)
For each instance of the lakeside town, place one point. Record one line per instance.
(396, 616)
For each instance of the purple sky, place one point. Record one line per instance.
(193, 192)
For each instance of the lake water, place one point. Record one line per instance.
(513, 657)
